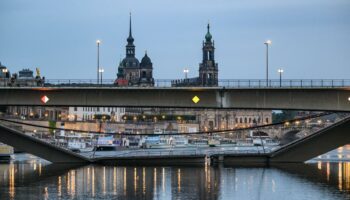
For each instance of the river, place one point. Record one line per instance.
(28, 177)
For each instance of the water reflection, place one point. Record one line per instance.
(319, 180)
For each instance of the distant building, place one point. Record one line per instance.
(130, 71)
(208, 68)
(229, 119)
(89, 113)
(4, 72)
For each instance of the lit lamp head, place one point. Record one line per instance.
(101, 70)
(280, 70)
(268, 42)
(98, 42)
(186, 70)
(4, 70)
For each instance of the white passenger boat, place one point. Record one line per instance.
(105, 143)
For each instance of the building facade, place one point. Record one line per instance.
(90, 113)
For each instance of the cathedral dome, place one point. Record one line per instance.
(146, 62)
(130, 62)
(146, 59)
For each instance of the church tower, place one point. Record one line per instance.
(208, 69)
(129, 68)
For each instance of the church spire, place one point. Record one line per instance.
(130, 47)
(130, 38)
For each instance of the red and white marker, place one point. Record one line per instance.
(44, 99)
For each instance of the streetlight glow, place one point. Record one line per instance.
(280, 71)
(98, 41)
(186, 72)
(268, 42)
(101, 70)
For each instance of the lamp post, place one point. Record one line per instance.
(98, 59)
(186, 72)
(280, 71)
(267, 43)
(101, 70)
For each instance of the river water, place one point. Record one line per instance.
(28, 177)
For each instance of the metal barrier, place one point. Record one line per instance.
(227, 83)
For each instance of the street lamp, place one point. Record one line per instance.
(280, 71)
(98, 58)
(101, 70)
(267, 43)
(186, 72)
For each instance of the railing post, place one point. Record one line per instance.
(332, 82)
(343, 82)
(238, 84)
(311, 82)
(290, 83)
(248, 83)
(259, 83)
(321, 83)
(301, 83)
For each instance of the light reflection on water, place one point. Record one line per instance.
(38, 180)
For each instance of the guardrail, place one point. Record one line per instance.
(227, 83)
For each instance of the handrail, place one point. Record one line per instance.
(167, 83)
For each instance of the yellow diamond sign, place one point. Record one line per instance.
(196, 99)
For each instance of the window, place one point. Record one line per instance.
(75, 109)
(267, 120)
(240, 120)
(245, 120)
(250, 120)
(236, 120)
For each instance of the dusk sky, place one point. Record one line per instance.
(310, 39)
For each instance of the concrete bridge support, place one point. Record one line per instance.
(39, 148)
(315, 144)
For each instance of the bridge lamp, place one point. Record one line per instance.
(349, 99)
(186, 72)
(5, 70)
(34, 130)
(98, 58)
(267, 43)
(101, 70)
(280, 71)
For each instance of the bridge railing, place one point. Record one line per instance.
(227, 83)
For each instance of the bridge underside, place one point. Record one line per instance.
(298, 151)
(38, 148)
(325, 99)
(316, 144)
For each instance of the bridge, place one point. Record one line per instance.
(325, 95)
(297, 151)
(305, 95)
(325, 99)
